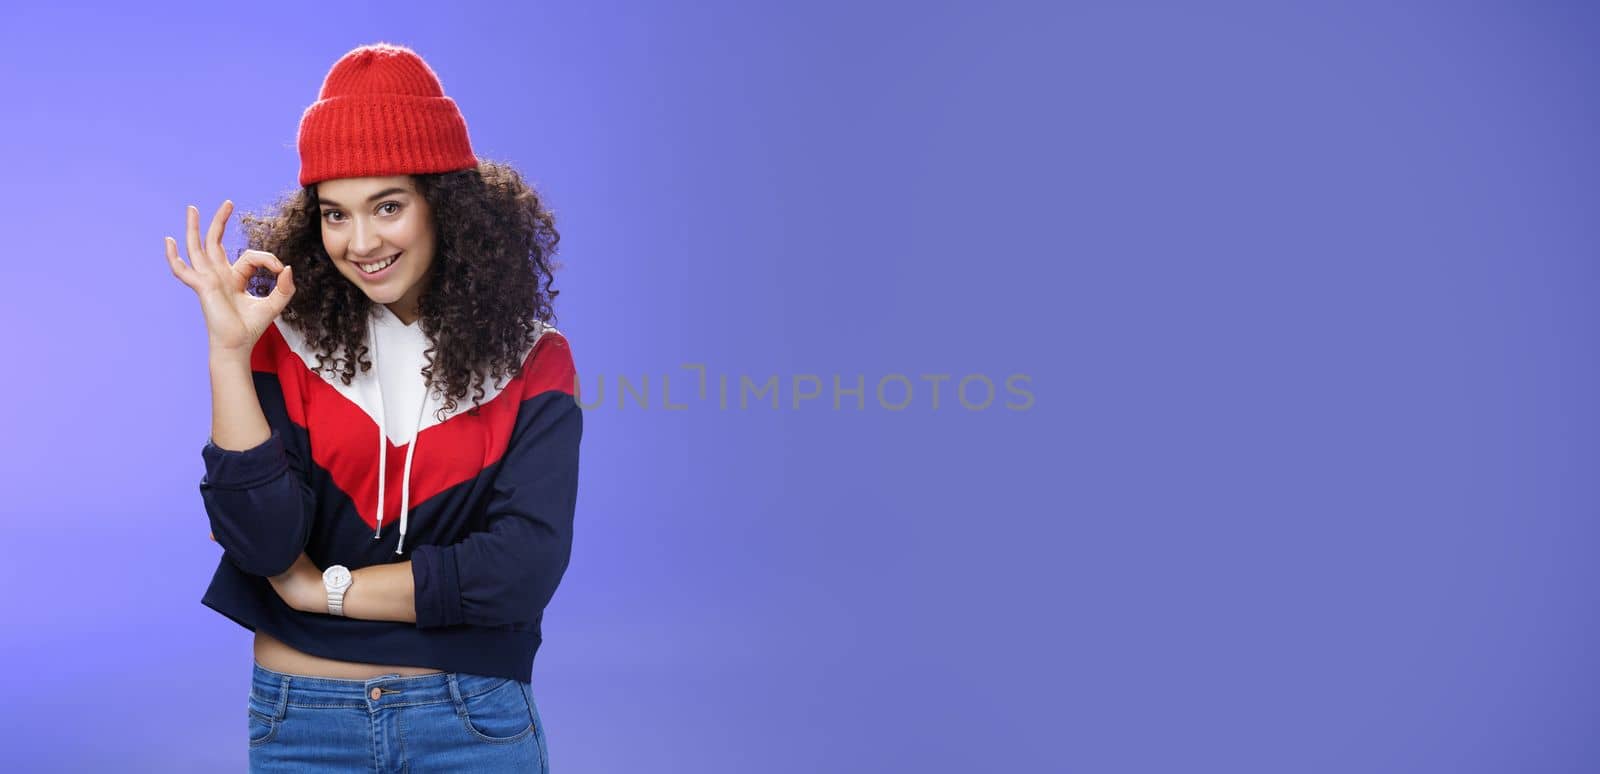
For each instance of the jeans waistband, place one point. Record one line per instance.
(391, 690)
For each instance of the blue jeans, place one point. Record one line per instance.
(450, 721)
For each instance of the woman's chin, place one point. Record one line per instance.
(378, 295)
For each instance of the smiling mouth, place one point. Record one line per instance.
(377, 266)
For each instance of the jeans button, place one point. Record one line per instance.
(376, 693)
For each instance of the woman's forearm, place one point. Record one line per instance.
(237, 422)
(380, 592)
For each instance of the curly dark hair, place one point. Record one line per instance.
(492, 278)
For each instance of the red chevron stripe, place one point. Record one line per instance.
(448, 453)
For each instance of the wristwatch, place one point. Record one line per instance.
(336, 580)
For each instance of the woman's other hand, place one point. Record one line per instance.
(234, 318)
(301, 586)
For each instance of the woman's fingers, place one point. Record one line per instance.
(197, 257)
(219, 223)
(249, 260)
(208, 256)
(179, 268)
(260, 258)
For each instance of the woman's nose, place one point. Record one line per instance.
(366, 240)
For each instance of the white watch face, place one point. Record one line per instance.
(336, 576)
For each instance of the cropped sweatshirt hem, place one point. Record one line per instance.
(473, 650)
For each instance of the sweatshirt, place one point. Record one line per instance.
(481, 503)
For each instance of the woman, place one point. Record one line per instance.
(392, 547)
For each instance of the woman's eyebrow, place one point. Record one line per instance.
(372, 198)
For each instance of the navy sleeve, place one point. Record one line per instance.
(507, 573)
(258, 500)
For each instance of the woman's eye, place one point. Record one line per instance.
(328, 215)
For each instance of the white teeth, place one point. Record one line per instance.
(379, 266)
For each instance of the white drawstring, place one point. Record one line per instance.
(405, 488)
(383, 436)
(383, 453)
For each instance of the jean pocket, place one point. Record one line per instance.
(499, 714)
(263, 722)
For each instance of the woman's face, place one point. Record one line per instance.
(367, 221)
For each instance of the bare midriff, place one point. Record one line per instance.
(278, 656)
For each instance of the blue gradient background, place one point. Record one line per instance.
(1304, 294)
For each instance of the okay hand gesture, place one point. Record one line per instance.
(234, 318)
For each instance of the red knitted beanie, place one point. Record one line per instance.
(382, 111)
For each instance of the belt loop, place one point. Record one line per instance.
(455, 694)
(279, 710)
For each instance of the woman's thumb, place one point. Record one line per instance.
(285, 285)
